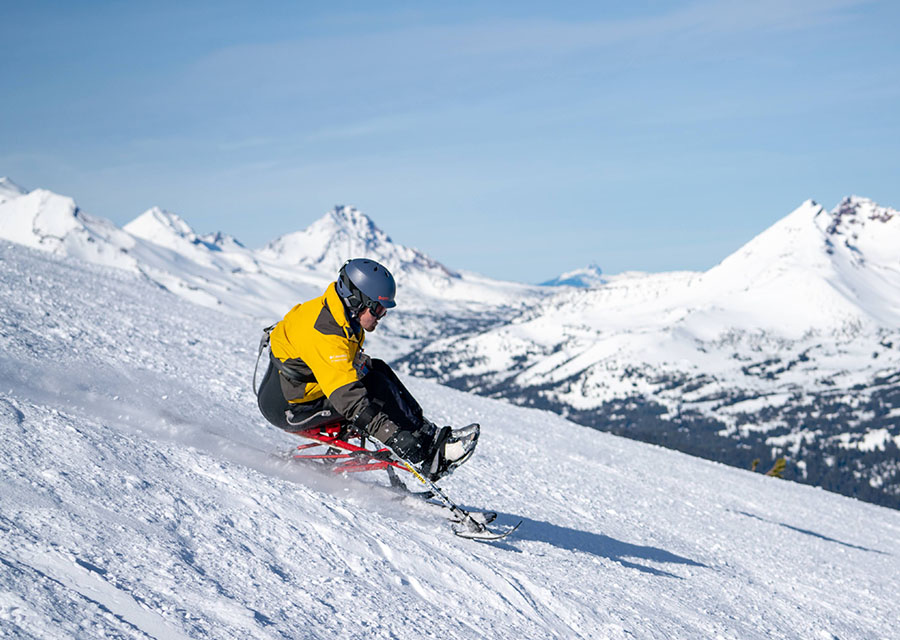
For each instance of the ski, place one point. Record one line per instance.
(485, 534)
(466, 524)
(348, 457)
(483, 517)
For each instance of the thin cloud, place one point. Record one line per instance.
(425, 51)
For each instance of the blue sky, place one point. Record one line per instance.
(518, 140)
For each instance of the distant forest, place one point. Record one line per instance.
(820, 460)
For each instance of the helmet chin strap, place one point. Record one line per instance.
(352, 314)
(352, 302)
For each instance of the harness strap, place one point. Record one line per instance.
(325, 413)
(263, 344)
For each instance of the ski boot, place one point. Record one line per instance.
(450, 449)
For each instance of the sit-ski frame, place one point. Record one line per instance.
(359, 458)
(355, 458)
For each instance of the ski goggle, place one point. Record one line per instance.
(377, 309)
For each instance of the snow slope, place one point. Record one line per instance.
(143, 497)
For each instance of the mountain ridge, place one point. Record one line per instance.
(787, 346)
(585, 277)
(9, 189)
(216, 270)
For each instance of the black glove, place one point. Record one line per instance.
(410, 445)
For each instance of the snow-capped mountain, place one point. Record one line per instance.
(215, 251)
(142, 496)
(585, 278)
(47, 221)
(820, 270)
(347, 231)
(790, 345)
(216, 270)
(803, 318)
(158, 245)
(423, 283)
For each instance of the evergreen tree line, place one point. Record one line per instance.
(820, 457)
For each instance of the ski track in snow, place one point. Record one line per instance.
(144, 497)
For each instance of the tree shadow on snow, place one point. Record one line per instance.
(596, 544)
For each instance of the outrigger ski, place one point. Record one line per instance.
(352, 458)
(466, 523)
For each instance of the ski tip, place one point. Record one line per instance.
(484, 534)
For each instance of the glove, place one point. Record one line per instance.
(410, 445)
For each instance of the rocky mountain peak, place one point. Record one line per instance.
(345, 233)
(854, 210)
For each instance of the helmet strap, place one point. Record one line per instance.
(354, 300)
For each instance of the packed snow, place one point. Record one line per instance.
(143, 496)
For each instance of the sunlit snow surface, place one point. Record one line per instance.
(143, 497)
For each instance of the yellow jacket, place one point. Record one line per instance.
(318, 351)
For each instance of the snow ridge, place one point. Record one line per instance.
(585, 278)
(346, 231)
(9, 189)
(216, 270)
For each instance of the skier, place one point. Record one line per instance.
(318, 374)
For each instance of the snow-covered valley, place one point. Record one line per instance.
(788, 347)
(144, 497)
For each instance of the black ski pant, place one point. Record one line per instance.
(382, 386)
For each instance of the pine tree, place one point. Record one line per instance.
(777, 469)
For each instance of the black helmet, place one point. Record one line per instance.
(364, 284)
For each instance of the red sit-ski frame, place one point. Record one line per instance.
(358, 457)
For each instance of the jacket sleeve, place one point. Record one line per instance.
(332, 363)
(352, 402)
